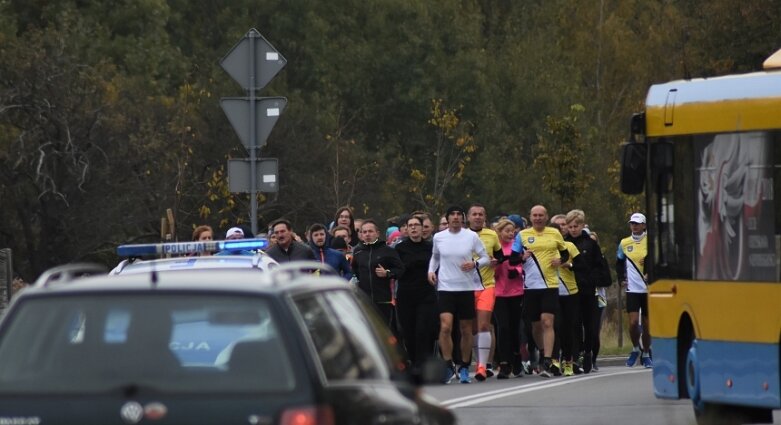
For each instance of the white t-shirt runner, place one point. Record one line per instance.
(450, 251)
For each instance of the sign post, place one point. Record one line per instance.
(253, 62)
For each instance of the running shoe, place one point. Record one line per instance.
(517, 365)
(504, 371)
(463, 375)
(630, 362)
(545, 371)
(450, 372)
(587, 362)
(555, 368)
(594, 367)
(480, 373)
(489, 370)
(568, 369)
(647, 362)
(527, 368)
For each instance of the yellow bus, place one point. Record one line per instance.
(707, 154)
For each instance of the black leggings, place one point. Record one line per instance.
(568, 327)
(419, 320)
(590, 315)
(507, 311)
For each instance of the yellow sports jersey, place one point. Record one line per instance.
(634, 252)
(567, 283)
(544, 246)
(490, 241)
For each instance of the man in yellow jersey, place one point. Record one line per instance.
(630, 269)
(568, 324)
(484, 299)
(543, 251)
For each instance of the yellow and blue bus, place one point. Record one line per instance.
(707, 154)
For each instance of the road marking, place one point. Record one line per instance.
(473, 399)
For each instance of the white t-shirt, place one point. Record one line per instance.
(450, 251)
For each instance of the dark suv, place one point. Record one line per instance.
(203, 347)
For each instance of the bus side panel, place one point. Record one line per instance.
(665, 373)
(745, 374)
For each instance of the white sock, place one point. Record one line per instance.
(483, 347)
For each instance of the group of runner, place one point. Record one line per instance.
(527, 298)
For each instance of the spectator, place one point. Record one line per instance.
(344, 217)
(338, 243)
(326, 255)
(203, 233)
(286, 248)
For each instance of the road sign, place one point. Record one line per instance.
(268, 61)
(267, 111)
(253, 62)
(267, 175)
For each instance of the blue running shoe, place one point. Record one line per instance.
(647, 362)
(450, 372)
(463, 375)
(630, 362)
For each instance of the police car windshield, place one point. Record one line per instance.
(184, 343)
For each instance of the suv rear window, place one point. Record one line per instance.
(167, 342)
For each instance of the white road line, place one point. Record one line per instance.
(473, 399)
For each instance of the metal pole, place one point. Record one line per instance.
(253, 143)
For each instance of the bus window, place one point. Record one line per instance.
(671, 194)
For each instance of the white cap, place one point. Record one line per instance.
(637, 218)
(237, 231)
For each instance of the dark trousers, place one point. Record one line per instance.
(590, 317)
(568, 334)
(507, 311)
(419, 320)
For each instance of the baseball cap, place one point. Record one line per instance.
(637, 218)
(234, 231)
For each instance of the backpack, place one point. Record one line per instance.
(602, 275)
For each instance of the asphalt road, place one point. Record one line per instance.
(615, 395)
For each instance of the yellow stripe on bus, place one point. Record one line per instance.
(715, 117)
(722, 311)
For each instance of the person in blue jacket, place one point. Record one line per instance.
(325, 254)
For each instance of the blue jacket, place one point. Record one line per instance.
(333, 258)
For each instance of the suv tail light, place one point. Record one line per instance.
(310, 415)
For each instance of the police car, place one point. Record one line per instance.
(106, 349)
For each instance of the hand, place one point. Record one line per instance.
(494, 262)
(380, 271)
(432, 278)
(467, 266)
(556, 262)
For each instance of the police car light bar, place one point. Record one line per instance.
(178, 248)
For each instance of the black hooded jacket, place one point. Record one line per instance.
(586, 265)
(366, 257)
